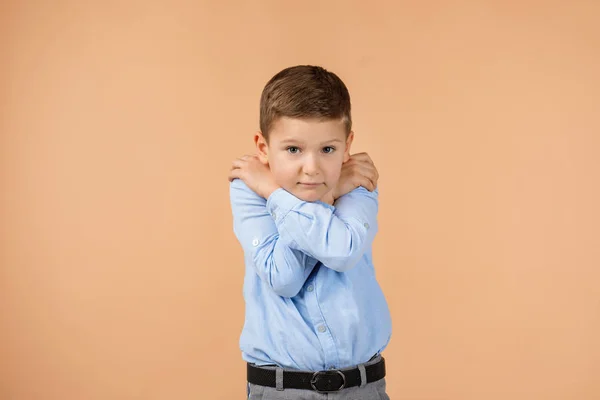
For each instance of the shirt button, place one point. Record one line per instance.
(366, 225)
(310, 288)
(321, 328)
(274, 215)
(255, 242)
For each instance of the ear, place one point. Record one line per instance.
(349, 140)
(262, 147)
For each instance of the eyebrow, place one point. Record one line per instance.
(292, 140)
(333, 141)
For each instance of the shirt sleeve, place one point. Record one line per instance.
(337, 236)
(282, 268)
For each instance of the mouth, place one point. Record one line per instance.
(309, 184)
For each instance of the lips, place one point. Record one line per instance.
(309, 184)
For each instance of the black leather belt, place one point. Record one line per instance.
(320, 381)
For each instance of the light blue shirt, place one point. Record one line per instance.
(312, 299)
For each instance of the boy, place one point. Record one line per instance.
(305, 214)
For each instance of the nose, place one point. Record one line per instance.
(311, 165)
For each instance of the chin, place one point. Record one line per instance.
(308, 196)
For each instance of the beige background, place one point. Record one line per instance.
(121, 277)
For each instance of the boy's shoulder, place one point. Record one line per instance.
(239, 192)
(362, 190)
(361, 193)
(237, 185)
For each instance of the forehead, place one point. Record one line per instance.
(304, 130)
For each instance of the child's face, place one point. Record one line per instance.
(306, 155)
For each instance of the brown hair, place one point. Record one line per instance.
(304, 91)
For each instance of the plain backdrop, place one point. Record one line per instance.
(120, 276)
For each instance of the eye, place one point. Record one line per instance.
(293, 150)
(328, 149)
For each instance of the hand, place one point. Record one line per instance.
(328, 198)
(359, 170)
(255, 174)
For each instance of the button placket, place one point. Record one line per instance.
(320, 325)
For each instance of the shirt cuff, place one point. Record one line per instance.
(280, 202)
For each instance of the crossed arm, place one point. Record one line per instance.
(285, 237)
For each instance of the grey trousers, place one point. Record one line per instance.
(370, 391)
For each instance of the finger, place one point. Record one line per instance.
(239, 163)
(370, 184)
(373, 185)
(364, 169)
(368, 175)
(368, 168)
(364, 181)
(362, 157)
(363, 163)
(247, 157)
(366, 160)
(373, 175)
(235, 173)
(359, 178)
(230, 175)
